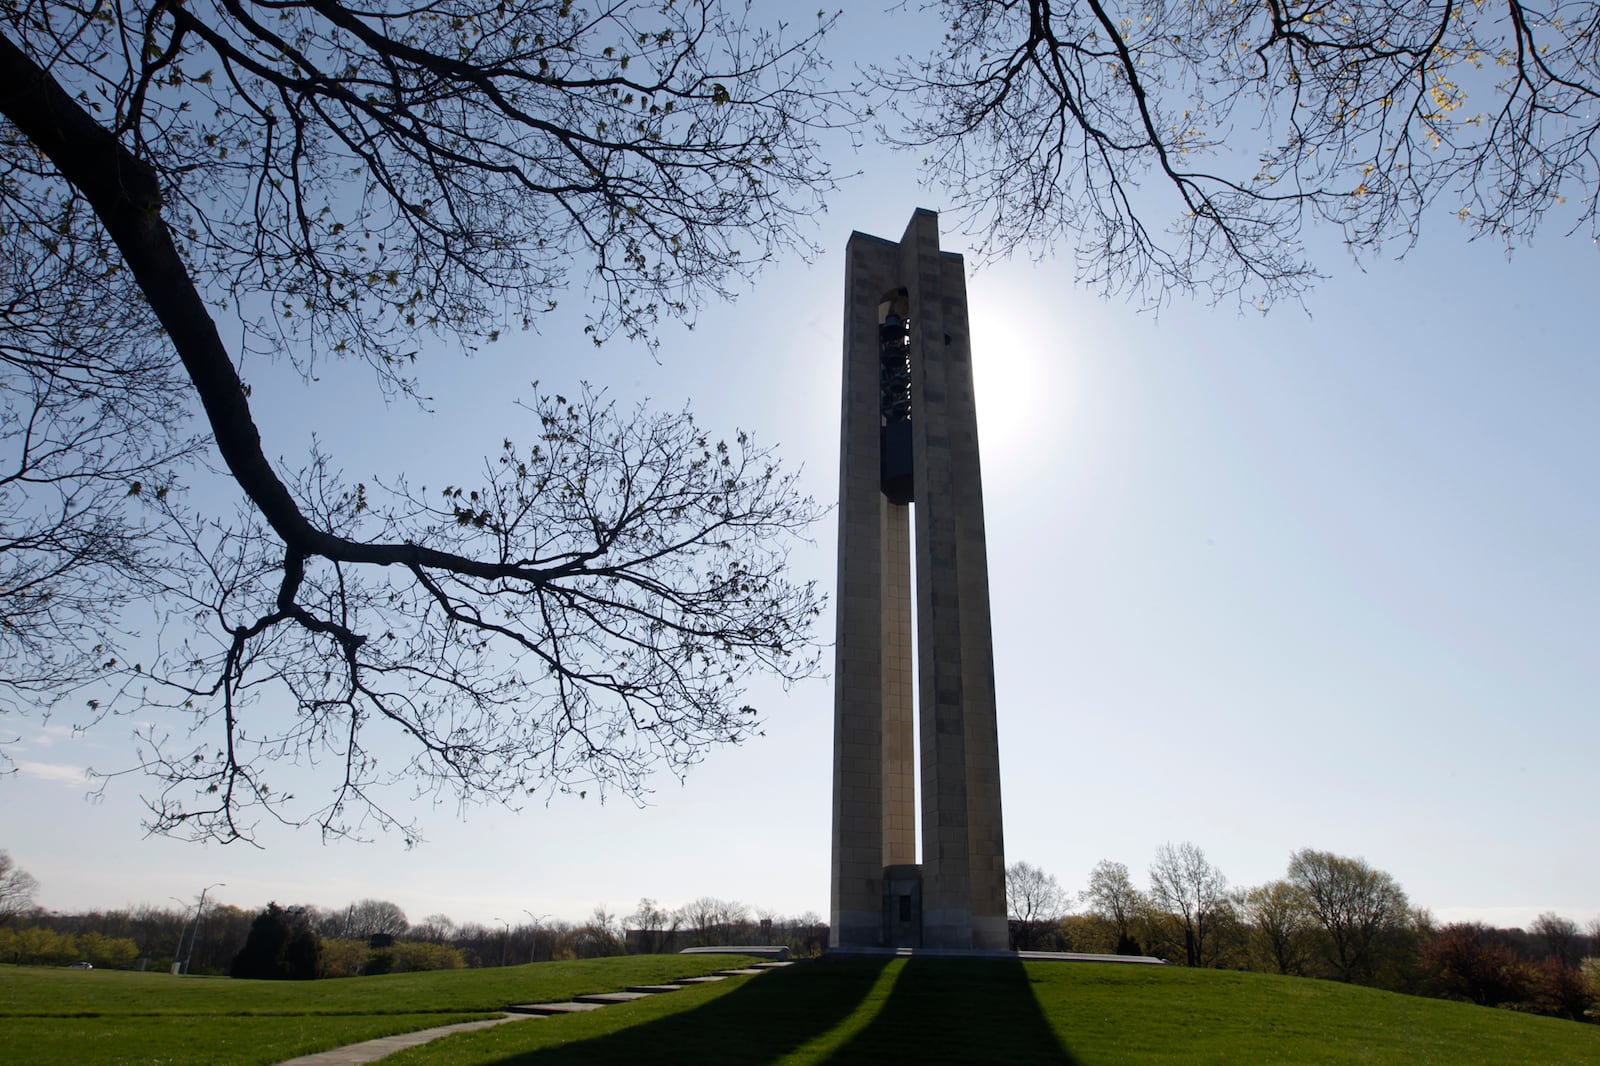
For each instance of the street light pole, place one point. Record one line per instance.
(183, 927)
(533, 945)
(505, 934)
(182, 967)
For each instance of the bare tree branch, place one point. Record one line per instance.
(341, 177)
(1044, 121)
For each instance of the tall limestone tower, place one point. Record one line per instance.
(909, 447)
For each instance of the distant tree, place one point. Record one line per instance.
(17, 887)
(343, 958)
(1589, 968)
(416, 957)
(708, 921)
(1467, 960)
(1194, 895)
(1563, 991)
(1190, 145)
(654, 927)
(375, 917)
(34, 945)
(219, 937)
(1113, 896)
(107, 952)
(315, 181)
(1360, 909)
(1561, 937)
(328, 923)
(435, 928)
(806, 934)
(600, 936)
(479, 944)
(281, 946)
(1280, 922)
(156, 930)
(1033, 895)
(1035, 902)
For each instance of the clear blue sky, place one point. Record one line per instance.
(1321, 578)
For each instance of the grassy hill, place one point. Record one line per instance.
(856, 1010)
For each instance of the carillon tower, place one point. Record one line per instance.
(909, 482)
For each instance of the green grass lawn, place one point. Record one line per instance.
(839, 1011)
(92, 1017)
(982, 1011)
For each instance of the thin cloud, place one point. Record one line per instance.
(51, 771)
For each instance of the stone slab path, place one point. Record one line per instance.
(373, 1050)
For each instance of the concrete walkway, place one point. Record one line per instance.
(373, 1050)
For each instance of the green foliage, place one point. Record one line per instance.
(281, 946)
(343, 958)
(1280, 924)
(38, 946)
(35, 946)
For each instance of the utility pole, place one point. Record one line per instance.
(538, 923)
(505, 934)
(180, 961)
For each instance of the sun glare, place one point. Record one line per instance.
(1020, 375)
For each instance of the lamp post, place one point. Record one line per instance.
(533, 945)
(180, 961)
(183, 927)
(505, 934)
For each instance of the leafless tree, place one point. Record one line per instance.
(654, 927)
(600, 936)
(1035, 903)
(374, 917)
(1194, 896)
(435, 928)
(1033, 895)
(17, 887)
(330, 181)
(1091, 124)
(709, 921)
(1561, 936)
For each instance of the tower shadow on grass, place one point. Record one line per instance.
(959, 1011)
(766, 1020)
(866, 1010)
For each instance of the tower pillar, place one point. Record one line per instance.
(911, 487)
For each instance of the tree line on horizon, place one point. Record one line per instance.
(369, 936)
(1330, 916)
